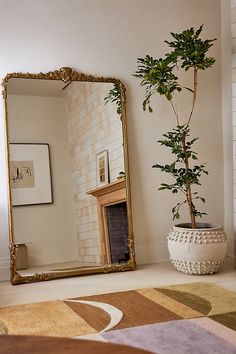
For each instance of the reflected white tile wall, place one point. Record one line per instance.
(93, 127)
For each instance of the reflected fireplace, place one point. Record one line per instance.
(113, 221)
(117, 225)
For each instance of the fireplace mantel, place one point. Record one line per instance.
(108, 188)
(109, 194)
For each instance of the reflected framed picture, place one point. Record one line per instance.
(102, 168)
(30, 174)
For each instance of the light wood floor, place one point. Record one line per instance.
(145, 276)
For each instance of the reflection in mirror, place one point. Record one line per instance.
(67, 178)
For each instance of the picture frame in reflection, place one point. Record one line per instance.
(30, 174)
(102, 168)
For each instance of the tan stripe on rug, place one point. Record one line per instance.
(52, 318)
(169, 303)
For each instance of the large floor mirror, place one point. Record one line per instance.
(69, 188)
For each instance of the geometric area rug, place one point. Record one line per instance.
(196, 318)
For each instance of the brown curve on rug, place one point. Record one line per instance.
(137, 309)
(191, 300)
(89, 313)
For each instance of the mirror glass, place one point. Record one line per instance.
(67, 178)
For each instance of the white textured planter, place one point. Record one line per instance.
(197, 251)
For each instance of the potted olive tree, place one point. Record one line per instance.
(194, 247)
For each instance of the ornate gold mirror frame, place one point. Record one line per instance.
(68, 75)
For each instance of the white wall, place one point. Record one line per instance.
(226, 76)
(234, 146)
(105, 37)
(48, 229)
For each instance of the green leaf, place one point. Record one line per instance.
(189, 89)
(114, 96)
(177, 215)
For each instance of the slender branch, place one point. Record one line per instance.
(194, 93)
(179, 206)
(175, 112)
(183, 191)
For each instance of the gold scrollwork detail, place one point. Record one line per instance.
(111, 268)
(132, 250)
(65, 74)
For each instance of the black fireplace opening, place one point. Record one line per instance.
(117, 224)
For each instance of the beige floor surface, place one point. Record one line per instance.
(145, 276)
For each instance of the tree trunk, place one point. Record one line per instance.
(188, 190)
(190, 205)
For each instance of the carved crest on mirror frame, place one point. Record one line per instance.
(65, 74)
